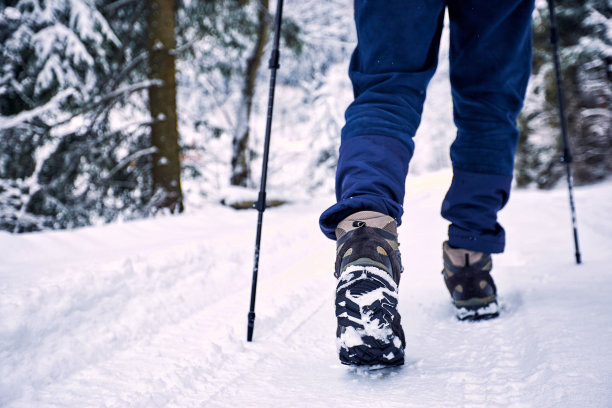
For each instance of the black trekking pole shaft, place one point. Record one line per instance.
(261, 199)
(567, 156)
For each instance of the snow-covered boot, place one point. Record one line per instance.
(467, 275)
(368, 269)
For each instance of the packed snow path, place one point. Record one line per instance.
(153, 313)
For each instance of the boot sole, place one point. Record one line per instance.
(481, 312)
(366, 308)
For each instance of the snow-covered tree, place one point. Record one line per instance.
(585, 32)
(241, 132)
(223, 48)
(161, 46)
(75, 124)
(53, 55)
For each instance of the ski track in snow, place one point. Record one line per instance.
(153, 313)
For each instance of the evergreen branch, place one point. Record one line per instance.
(111, 97)
(41, 154)
(9, 122)
(19, 89)
(117, 4)
(128, 159)
(128, 89)
(133, 64)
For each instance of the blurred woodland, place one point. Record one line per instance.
(107, 108)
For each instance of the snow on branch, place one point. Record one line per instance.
(125, 90)
(90, 24)
(128, 159)
(8, 122)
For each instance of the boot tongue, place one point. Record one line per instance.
(366, 218)
(461, 257)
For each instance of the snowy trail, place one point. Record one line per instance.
(153, 313)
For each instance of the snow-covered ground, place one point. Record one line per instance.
(153, 313)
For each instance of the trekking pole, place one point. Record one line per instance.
(567, 156)
(260, 205)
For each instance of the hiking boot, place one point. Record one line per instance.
(467, 275)
(368, 269)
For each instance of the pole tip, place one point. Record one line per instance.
(578, 258)
(250, 326)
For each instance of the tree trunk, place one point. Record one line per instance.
(240, 165)
(162, 104)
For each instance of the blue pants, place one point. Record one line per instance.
(396, 56)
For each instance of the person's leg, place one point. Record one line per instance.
(394, 60)
(490, 62)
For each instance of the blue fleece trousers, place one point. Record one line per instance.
(396, 56)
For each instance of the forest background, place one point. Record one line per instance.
(115, 110)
